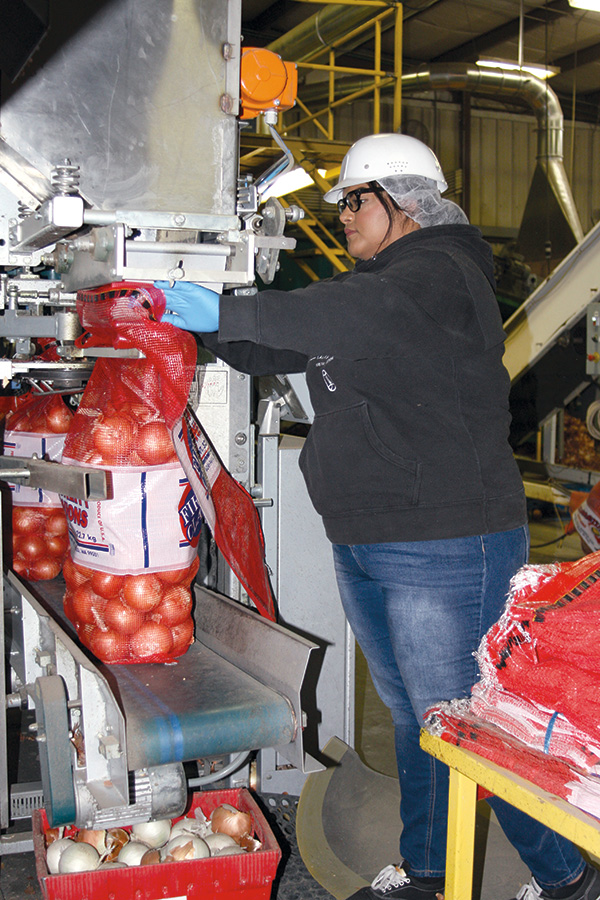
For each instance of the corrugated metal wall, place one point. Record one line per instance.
(503, 155)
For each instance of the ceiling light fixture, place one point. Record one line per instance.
(537, 69)
(288, 182)
(593, 5)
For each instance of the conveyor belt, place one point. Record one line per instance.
(202, 705)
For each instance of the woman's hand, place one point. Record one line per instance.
(190, 306)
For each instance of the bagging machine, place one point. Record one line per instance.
(119, 162)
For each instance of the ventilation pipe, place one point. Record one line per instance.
(550, 212)
(550, 226)
(319, 31)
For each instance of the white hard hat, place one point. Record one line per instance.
(381, 155)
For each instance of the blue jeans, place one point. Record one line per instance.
(419, 610)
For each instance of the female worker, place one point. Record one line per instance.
(409, 465)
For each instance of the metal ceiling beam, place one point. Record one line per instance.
(573, 61)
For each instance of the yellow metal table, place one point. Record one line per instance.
(467, 771)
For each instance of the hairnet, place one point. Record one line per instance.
(419, 198)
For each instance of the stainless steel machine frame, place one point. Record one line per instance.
(118, 162)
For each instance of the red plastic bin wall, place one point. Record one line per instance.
(245, 876)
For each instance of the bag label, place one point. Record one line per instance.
(152, 523)
(27, 444)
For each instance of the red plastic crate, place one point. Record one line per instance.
(245, 876)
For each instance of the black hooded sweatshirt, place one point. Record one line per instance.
(403, 359)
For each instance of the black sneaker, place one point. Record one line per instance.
(393, 883)
(587, 888)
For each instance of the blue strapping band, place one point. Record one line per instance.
(549, 732)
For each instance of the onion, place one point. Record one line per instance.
(56, 523)
(183, 636)
(20, 566)
(113, 437)
(190, 826)
(132, 853)
(154, 444)
(108, 646)
(217, 843)
(152, 639)
(58, 417)
(175, 606)
(112, 864)
(79, 857)
(72, 575)
(185, 846)
(57, 544)
(142, 592)
(31, 546)
(45, 568)
(26, 520)
(154, 834)
(121, 618)
(106, 584)
(150, 857)
(54, 853)
(87, 604)
(228, 820)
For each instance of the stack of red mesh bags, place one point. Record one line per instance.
(536, 709)
(134, 556)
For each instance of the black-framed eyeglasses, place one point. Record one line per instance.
(352, 200)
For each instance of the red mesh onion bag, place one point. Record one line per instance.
(133, 557)
(39, 529)
(130, 412)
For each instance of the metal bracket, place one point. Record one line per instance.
(73, 481)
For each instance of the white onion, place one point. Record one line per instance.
(112, 864)
(190, 826)
(54, 853)
(132, 853)
(154, 834)
(185, 846)
(79, 857)
(230, 851)
(217, 843)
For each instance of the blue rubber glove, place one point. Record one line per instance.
(190, 306)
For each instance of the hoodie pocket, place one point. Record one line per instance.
(348, 468)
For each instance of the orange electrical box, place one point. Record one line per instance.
(266, 82)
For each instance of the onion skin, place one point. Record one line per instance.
(236, 824)
(97, 839)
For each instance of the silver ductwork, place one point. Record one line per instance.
(550, 186)
(565, 226)
(319, 31)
